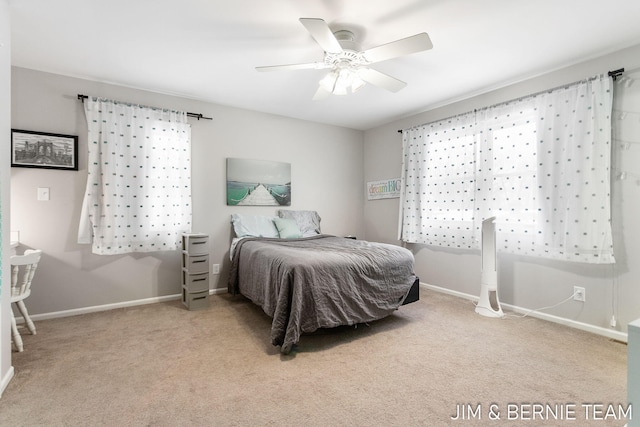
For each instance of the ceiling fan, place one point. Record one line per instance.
(348, 64)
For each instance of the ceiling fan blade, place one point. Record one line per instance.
(309, 66)
(322, 34)
(379, 79)
(401, 47)
(321, 94)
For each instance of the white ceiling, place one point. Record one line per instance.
(207, 49)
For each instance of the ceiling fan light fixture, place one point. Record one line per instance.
(329, 81)
(342, 81)
(340, 90)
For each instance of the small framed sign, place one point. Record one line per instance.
(383, 189)
(31, 149)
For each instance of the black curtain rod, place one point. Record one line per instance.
(613, 74)
(616, 73)
(196, 115)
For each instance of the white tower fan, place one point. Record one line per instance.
(488, 305)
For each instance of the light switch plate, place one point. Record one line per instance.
(43, 194)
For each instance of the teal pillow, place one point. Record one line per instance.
(287, 228)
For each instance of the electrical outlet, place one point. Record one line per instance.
(578, 293)
(215, 268)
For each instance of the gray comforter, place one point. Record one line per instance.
(320, 282)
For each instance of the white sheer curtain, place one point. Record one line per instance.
(438, 180)
(138, 195)
(540, 164)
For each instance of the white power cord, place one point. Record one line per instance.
(542, 308)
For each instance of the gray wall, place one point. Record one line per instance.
(524, 282)
(326, 168)
(5, 144)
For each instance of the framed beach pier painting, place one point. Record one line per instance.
(258, 183)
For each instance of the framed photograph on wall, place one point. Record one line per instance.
(31, 149)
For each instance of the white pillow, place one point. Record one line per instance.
(254, 226)
(308, 221)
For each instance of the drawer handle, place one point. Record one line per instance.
(197, 243)
(197, 298)
(198, 260)
(199, 280)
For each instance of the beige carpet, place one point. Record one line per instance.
(162, 365)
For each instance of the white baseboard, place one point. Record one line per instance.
(97, 308)
(6, 380)
(614, 335)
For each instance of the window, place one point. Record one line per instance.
(540, 164)
(138, 196)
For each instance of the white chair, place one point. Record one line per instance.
(23, 267)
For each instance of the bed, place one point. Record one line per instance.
(305, 280)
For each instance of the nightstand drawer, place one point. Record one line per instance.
(195, 244)
(195, 263)
(195, 282)
(195, 300)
